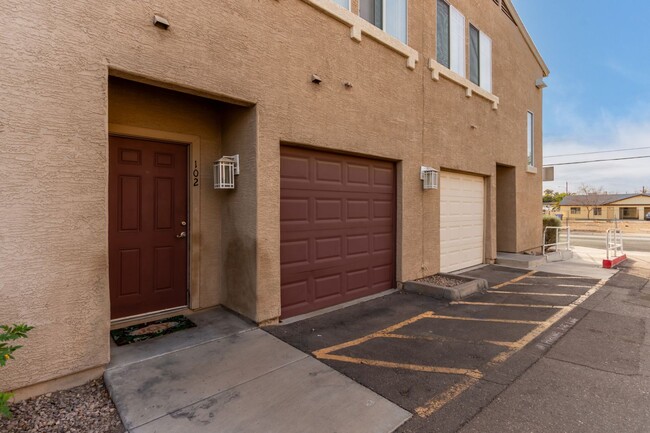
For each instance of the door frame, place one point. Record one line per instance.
(193, 145)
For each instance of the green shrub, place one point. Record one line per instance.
(9, 333)
(551, 221)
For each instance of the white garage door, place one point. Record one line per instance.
(462, 204)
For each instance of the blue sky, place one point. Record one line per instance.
(599, 88)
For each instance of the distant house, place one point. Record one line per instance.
(605, 206)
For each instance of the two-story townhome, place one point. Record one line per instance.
(353, 144)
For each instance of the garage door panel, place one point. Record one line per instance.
(295, 293)
(328, 249)
(328, 173)
(358, 174)
(296, 171)
(327, 286)
(337, 229)
(462, 205)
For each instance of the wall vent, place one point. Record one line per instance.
(506, 11)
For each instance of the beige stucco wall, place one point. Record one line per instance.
(57, 57)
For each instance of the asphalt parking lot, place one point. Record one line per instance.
(443, 361)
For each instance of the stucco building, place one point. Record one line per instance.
(111, 124)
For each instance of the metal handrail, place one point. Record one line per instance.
(614, 243)
(557, 242)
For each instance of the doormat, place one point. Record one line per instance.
(145, 331)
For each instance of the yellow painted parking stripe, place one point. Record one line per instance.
(319, 353)
(579, 286)
(495, 304)
(414, 367)
(546, 324)
(515, 280)
(473, 319)
(441, 338)
(439, 401)
(533, 293)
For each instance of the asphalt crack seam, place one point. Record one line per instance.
(602, 370)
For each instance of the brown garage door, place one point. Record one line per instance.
(337, 228)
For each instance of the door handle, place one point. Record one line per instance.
(181, 235)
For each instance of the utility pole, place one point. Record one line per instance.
(567, 187)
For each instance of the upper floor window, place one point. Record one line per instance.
(388, 15)
(575, 211)
(598, 211)
(531, 138)
(450, 38)
(480, 58)
(344, 3)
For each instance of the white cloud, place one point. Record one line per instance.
(607, 133)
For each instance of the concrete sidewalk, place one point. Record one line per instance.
(226, 375)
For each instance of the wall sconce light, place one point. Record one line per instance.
(316, 79)
(429, 177)
(160, 22)
(225, 170)
(540, 84)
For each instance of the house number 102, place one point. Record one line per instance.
(195, 174)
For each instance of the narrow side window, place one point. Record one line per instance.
(531, 139)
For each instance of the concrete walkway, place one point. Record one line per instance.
(586, 262)
(226, 375)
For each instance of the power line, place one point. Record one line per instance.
(591, 153)
(597, 160)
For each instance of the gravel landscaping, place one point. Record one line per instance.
(84, 409)
(442, 281)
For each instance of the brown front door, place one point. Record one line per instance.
(147, 226)
(337, 216)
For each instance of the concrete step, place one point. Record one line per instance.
(524, 261)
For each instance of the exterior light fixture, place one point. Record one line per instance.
(429, 177)
(225, 170)
(540, 84)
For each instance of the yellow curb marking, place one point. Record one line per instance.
(533, 293)
(504, 305)
(515, 280)
(439, 401)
